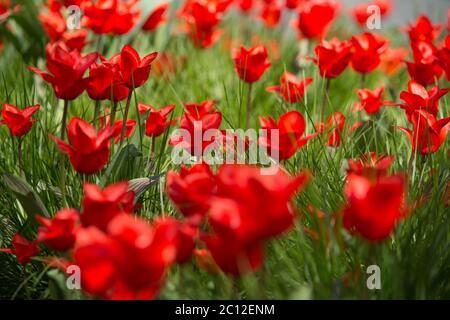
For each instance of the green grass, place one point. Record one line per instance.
(414, 262)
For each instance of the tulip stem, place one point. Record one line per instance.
(363, 80)
(249, 105)
(20, 157)
(64, 119)
(326, 96)
(112, 117)
(125, 117)
(96, 112)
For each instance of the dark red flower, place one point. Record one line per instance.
(135, 72)
(418, 98)
(101, 206)
(156, 17)
(59, 233)
(290, 129)
(88, 151)
(66, 69)
(371, 101)
(425, 74)
(110, 16)
(367, 51)
(190, 189)
(291, 89)
(157, 122)
(23, 249)
(106, 81)
(250, 64)
(428, 133)
(370, 165)
(315, 18)
(423, 30)
(19, 122)
(292, 4)
(374, 207)
(333, 57)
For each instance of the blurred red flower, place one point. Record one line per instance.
(444, 57)
(291, 127)
(392, 60)
(315, 18)
(101, 206)
(332, 57)
(423, 30)
(333, 128)
(368, 48)
(22, 248)
(66, 69)
(250, 64)
(271, 14)
(156, 17)
(374, 207)
(88, 151)
(291, 89)
(157, 122)
(59, 233)
(371, 101)
(19, 122)
(370, 165)
(362, 11)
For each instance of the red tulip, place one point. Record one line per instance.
(315, 18)
(88, 151)
(418, 98)
(392, 60)
(130, 126)
(374, 207)
(156, 17)
(271, 14)
(106, 82)
(110, 16)
(75, 40)
(428, 133)
(101, 206)
(333, 57)
(157, 121)
(444, 57)
(247, 209)
(135, 72)
(19, 122)
(199, 110)
(333, 128)
(367, 51)
(59, 233)
(190, 189)
(361, 12)
(126, 262)
(245, 5)
(291, 128)
(23, 249)
(370, 165)
(293, 4)
(423, 30)
(291, 88)
(425, 74)
(66, 70)
(250, 64)
(371, 101)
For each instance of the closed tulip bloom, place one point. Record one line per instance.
(66, 69)
(428, 133)
(23, 249)
(423, 30)
(291, 129)
(101, 206)
(371, 100)
(19, 122)
(333, 128)
(88, 151)
(291, 89)
(367, 49)
(59, 233)
(315, 18)
(374, 207)
(333, 57)
(250, 64)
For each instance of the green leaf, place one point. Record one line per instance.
(28, 198)
(140, 185)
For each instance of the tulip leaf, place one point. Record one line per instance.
(122, 162)
(140, 185)
(28, 198)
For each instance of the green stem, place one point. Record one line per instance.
(96, 113)
(64, 119)
(125, 117)
(326, 96)
(20, 157)
(112, 117)
(249, 105)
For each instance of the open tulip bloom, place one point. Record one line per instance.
(224, 149)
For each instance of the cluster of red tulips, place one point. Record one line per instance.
(229, 212)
